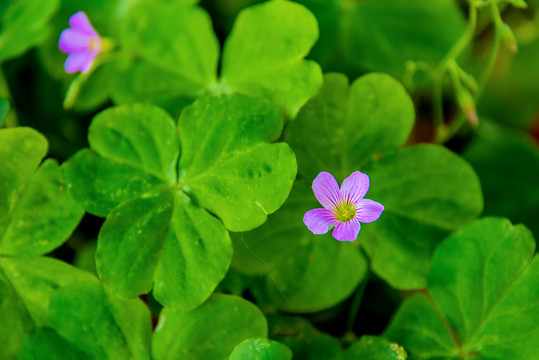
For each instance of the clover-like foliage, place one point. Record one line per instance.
(484, 294)
(210, 331)
(362, 127)
(37, 213)
(159, 231)
(178, 54)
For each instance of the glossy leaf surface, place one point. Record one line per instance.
(344, 127)
(157, 232)
(177, 38)
(37, 213)
(484, 286)
(343, 130)
(301, 272)
(210, 331)
(263, 55)
(227, 165)
(373, 348)
(261, 349)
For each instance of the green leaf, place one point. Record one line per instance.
(163, 239)
(327, 14)
(135, 150)
(302, 338)
(176, 37)
(100, 324)
(37, 213)
(427, 192)
(26, 286)
(12, 312)
(261, 349)
(302, 272)
(485, 294)
(373, 348)
(21, 151)
(227, 165)
(149, 143)
(507, 163)
(35, 279)
(376, 38)
(344, 127)
(47, 341)
(263, 56)
(142, 82)
(23, 25)
(210, 331)
(4, 109)
(99, 184)
(44, 216)
(155, 233)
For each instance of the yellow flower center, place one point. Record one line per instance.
(345, 211)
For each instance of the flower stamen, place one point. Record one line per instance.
(345, 211)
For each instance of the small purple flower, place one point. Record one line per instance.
(344, 208)
(81, 42)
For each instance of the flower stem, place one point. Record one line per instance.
(491, 60)
(441, 131)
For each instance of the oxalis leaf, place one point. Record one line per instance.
(261, 349)
(484, 296)
(427, 190)
(293, 261)
(177, 38)
(60, 305)
(377, 26)
(158, 231)
(210, 331)
(23, 25)
(263, 56)
(37, 213)
(373, 348)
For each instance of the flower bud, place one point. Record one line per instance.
(467, 105)
(518, 3)
(508, 37)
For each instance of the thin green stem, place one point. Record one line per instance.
(493, 53)
(440, 128)
(461, 43)
(438, 107)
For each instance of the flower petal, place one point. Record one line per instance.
(355, 187)
(319, 220)
(326, 190)
(368, 210)
(80, 21)
(79, 61)
(347, 231)
(72, 40)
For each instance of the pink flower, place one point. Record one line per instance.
(344, 208)
(81, 42)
